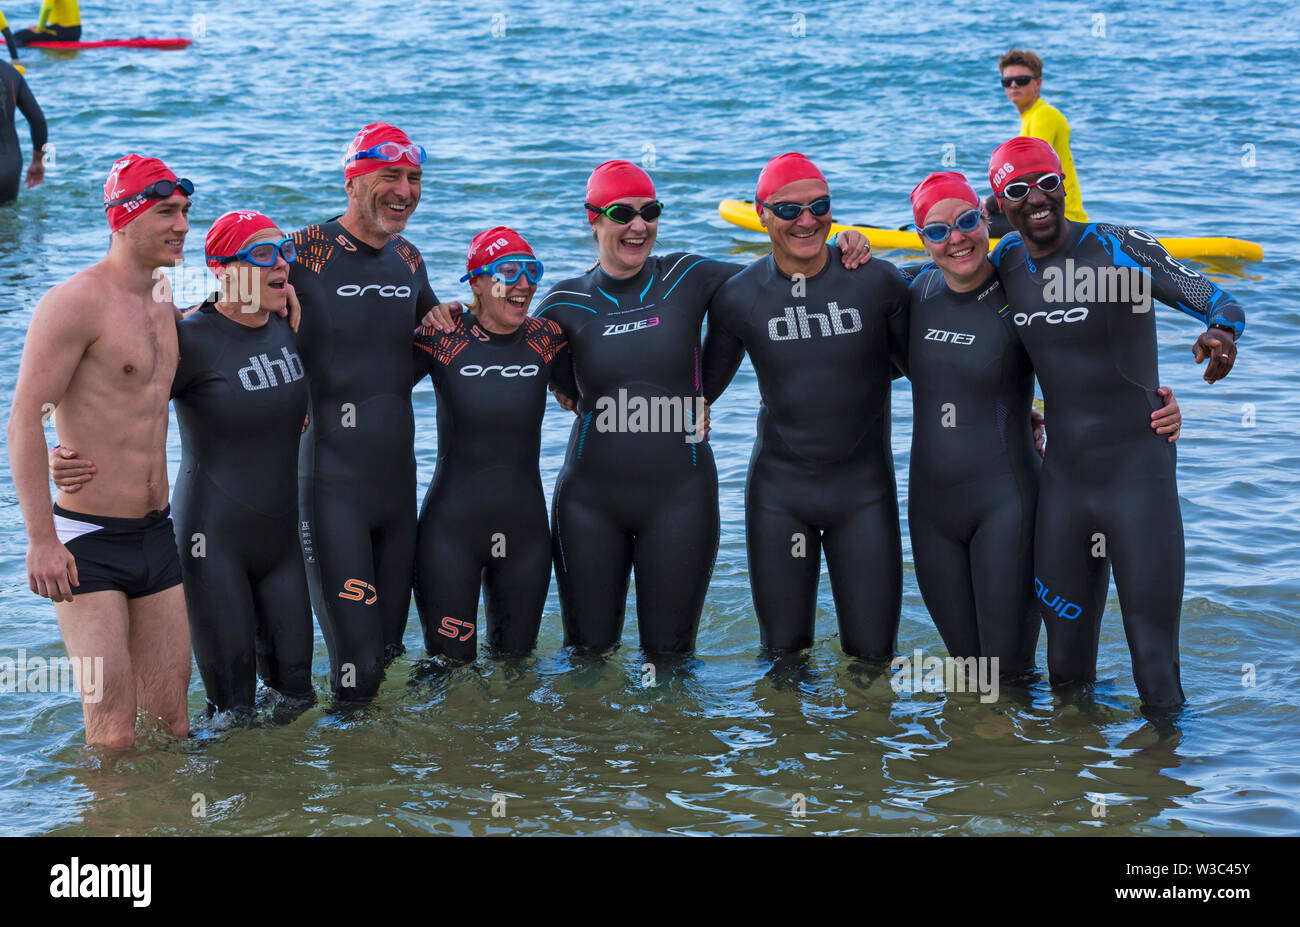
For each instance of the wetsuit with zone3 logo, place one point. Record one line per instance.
(357, 461)
(483, 522)
(636, 489)
(1109, 494)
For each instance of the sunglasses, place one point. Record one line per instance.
(1020, 189)
(508, 270)
(938, 232)
(1020, 80)
(264, 252)
(791, 211)
(158, 190)
(622, 213)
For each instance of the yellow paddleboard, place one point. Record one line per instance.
(741, 213)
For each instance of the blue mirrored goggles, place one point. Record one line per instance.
(391, 151)
(938, 232)
(508, 270)
(263, 253)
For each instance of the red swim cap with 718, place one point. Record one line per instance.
(492, 244)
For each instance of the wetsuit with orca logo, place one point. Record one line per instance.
(240, 396)
(483, 522)
(1109, 495)
(637, 490)
(357, 462)
(821, 475)
(973, 480)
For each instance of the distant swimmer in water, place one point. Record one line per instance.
(240, 392)
(16, 95)
(107, 556)
(1022, 80)
(60, 21)
(973, 486)
(483, 524)
(1082, 302)
(823, 340)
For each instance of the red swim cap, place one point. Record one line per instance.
(615, 180)
(229, 233)
(784, 169)
(375, 134)
(1020, 155)
(129, 176)
(943, 185)
(492, 244)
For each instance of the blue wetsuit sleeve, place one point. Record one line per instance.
(1172, 282)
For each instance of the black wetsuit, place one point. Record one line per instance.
(16, 95)
(357, 462)
(973, 481)
(1109, 495)
(483, 522)
(637, 489)
(822, 472)
(240, 396)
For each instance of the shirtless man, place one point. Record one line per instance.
(102, 350)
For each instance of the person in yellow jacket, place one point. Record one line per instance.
(1022, 80)
(60, 22)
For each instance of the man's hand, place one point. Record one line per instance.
(292, 310)
(51, 570)
(68, 470)
(1218, 346)
(1167, 420)
(36, 170)
(567, 402)
(442, 318)
(703, 426)
(855, 250)
(1039, 425)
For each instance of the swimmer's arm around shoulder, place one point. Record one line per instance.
(897, 305)
(723, 349)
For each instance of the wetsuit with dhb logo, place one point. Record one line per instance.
(637, 490)
(357, 462)
(973, 480)
(1109, 495)
(483, 522)
(821, 476)
(240, 396)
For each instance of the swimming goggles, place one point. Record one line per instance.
(158, 190)
(263, 253)
(391, 151)
(1020, 189)
(938, 232)
(622, 213)
(508, 270)
(791, 211)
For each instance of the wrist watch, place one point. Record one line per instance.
(1226, 328)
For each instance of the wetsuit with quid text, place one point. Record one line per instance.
(357, 461)
(483, 522)
(637, 489)
(240, 395)
(15, 95)
(821, 476)
(973, 480)
(1109, 496)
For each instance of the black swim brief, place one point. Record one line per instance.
(136, 556)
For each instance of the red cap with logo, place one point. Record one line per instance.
(940, 186)
(784, 169)
(492, 244)
(1021, 155)
(128, 177)
(229, 233)
(377, 133)
(615, 180)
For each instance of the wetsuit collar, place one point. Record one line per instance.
(478, 331)
(624, 284)
(832, 255)
(356, 243)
